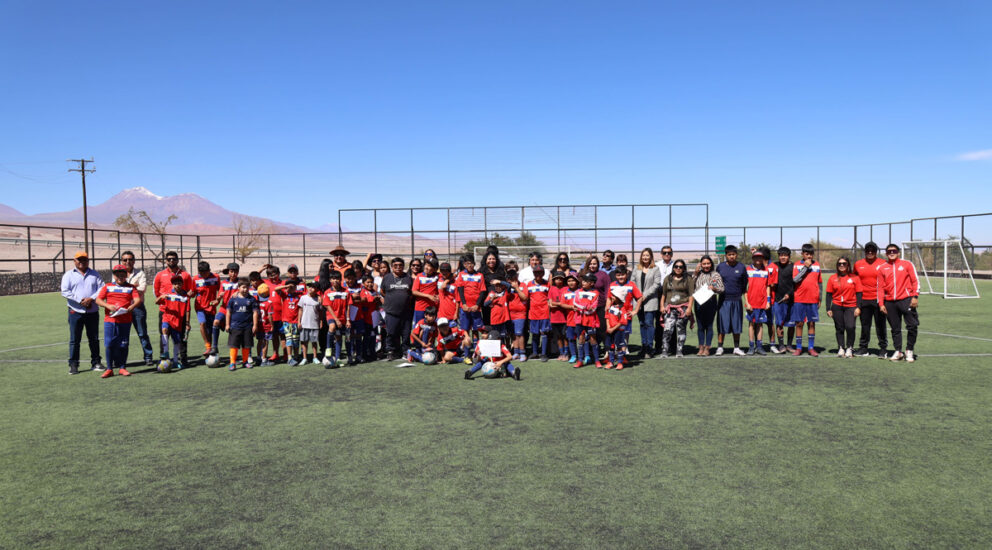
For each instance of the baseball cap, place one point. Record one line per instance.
(119, 267)
(81, 254)
(557, 275)
(442, 321)
(231, 267)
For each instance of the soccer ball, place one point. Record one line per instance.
(212, 360)
(164, 366)
(489, 370)
(429, 357)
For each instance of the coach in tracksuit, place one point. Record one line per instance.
(898, 292)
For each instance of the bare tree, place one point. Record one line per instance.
(140, 221)
(249, 234)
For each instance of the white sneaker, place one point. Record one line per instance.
(840, 353)
(850, 353)
(739, 351)
(910, 357)
(719, 351)
(896, 356)
(315, 361)
(778, 349)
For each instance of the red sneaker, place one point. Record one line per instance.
(123, 372)
(797, 352)
(623, 361)
(577, 365)
(813, 352)
(598, 364)
(107, 373)
(608, 365)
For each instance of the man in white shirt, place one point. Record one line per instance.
(665, 267)
(139, 316)
(526, 274)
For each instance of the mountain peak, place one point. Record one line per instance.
(141, 192)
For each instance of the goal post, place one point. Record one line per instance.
(521, 254)
(943, 268)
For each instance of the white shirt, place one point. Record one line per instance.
(665, 268)
(137, 279)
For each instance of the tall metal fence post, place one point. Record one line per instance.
(63, 250)
(632, 231)
(818, 243)
(30, 270)
(485, 225)
(234, 248)
(558, 225)
(595, 229)
(375, 229)
(413, 248)
(669, 225)
(268, 245)
(141, 247)
(339, 229)
(304, 271)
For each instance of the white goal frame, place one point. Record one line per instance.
(522, 253)
(912, 249)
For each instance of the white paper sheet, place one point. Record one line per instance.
(490, 348)
(703, 295)
(119, 312)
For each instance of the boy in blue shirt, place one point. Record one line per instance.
(242, 317)
(730, 313)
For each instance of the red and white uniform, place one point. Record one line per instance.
(370, 302)
(586, 302)
(808, 291)
(425, 331)
(772, 268)
(447, 307)
(163, 281)
(206, 292)
(515, 305)
(273, 297)
(228, 289)
(174, 310)
(504, 353)
(451, 342)
(498, 310)
(121, 296)
(568, 297)
(558, 315)
(845, 289)
(537, 300)
(265, 311)
(425, 285)
(617, 316)
(336, 304)
(356, 300)
(757, 287)
(868, 273)
(897, 281)
(628, 294)
(472, 284)
(290, 305)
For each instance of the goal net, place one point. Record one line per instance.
(943, 266)
(521, 254)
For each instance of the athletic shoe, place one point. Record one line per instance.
(468, 374)
(544, 358)
(523, 358)
(790, 349)
(882, 354)
(813, 353)
(516, 373)
(123, 372)
(760, 351)
(207, 353)
(587, 360)
(648, 356)
(232, 366)
(862, 352)
(797, 352)
(719, 351)
(623, 360)
(273, 358)
(678, 355)
(896, 356)
(598, 364)
(468, 361)
(267, 363)
(73, 369)
(608, 365)
(563, 358)
(840, 353)
(149, 362)
(249, 365)
(177, 366)
(315, 361)
(292, 362)
(107, 373)
(910, 356)
(620, 365)
(750, 351)
(738, 351)
(850, 353)
(98, 367)
(773, 348)
(663, 355)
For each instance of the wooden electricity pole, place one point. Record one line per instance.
(82, 174)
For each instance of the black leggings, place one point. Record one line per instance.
(843, 325)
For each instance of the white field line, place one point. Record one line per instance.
(956, 336)
(35, 347)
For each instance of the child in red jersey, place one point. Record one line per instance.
(628, 292)
(472, 291)
(844, 294)
(451, 342)
(207, 286)
(499, 313)
(423, 336)
(756, 301)
(369, 300)
(337, 303)
(274, 280)
(226, 289)
(425, 290)
(616, 332)
(517, 308)
(559, 314)
(585, 303)
(174, 306)
(265, 328)
(118, 298)
(538, 312)
(290, 299)
(447, 306)
(805, 309)
(571, 316)
(502, 362)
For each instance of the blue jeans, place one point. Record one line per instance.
(705, 314)
(647, 320)
(139, 318)
(77, 321)
(115, 339)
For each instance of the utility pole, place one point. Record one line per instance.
(82, 174)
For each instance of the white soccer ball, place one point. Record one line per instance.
(429, 357)
(212, 360)
(164, 365)
(489, 370)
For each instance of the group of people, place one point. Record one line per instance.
(355, 312)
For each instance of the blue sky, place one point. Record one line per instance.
(839, 112)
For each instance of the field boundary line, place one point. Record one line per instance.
(35, 347)
(957, 336)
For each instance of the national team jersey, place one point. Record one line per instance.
(163, 281)
(356, 298)
(336, 304)
(808, 291)
(537, 300)
(498, 311)
(617, 316)
(121, 296)
(426, 285)
(628, 294)
(586, 302)
(515, 305)
(290, 305)
(174, 310)
(845, 289)
(206, 292)
(241, 312)
(227, 290)
(567, 298)
(504, 353)
(447, 307)
(558, 314)
(265, 312)
(772, 278)
(757, 287)
(451, 342)
(868, 273)
(472, 286)
(370, 302)
(425, 331)
(275, 299)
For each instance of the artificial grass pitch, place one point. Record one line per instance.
(714, 452)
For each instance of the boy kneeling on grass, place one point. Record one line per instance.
(502, 361)
(450, 342)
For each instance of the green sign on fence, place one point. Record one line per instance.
(721, 243)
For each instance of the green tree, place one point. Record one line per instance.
(526, 238)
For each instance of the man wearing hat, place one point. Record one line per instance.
(118, 298)
(79, 286)
(163, 285)
(340, 257)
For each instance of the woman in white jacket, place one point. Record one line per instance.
(647, 279)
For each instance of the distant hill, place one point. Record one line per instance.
(7, 212)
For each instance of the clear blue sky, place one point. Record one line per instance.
(836, 112)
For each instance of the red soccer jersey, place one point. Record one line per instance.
(629, 293)
(504, 353)
(897, 281)
(174, 310)
(757, 287)
(808, 291)
(121, 296)
(772, 278)
(227, 290)
(425, 331)
(558, 315)
(206, 292)
(290, 305)
(448, 294)
(498, 310)
(845, 290)
(868, 273)
(163, 282)
(336, 303)
(356, 299)
(473, 285)
(426, 285)
(568, 297)
(368, 304)
(274, 297)
(451, 342)
(586, 302)
(265, 311)
(515, 306)
(616, 316)
(537, 300)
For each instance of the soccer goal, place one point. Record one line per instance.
(521, 254)
(943, 268)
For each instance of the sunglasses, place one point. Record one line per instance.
(666, 253)
(679, 267)
(843, 263)
(891, 251)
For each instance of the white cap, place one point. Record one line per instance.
(442, 320)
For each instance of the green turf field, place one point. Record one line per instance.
(702, 452)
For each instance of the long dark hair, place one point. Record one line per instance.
(324, 275)
(848, 271)
(712, 265)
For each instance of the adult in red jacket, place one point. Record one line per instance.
(163, 285)
(898, 291)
